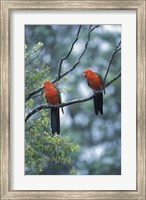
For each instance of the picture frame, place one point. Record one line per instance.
(6, 7)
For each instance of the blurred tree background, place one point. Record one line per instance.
(89, 144)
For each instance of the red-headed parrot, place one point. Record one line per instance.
(95, 82)
(52, 95)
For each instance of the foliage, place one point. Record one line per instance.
(46, 150)
(99, 137)
(42, 149)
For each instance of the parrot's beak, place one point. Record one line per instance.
(84, 74)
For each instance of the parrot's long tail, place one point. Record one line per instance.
(55, 120)
(98, 103)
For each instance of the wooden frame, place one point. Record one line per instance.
(140, 7)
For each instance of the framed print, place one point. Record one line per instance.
(73, 100)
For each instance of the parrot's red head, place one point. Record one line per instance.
(47, 84)
(87, 73)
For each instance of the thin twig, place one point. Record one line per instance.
(111, 59)
(88, 38)
(41, 92)
(33, 93)
(71, 48)
(92, 29)
(112, 80)
(79, 58)
(47, 106)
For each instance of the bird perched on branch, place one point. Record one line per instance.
(52, 95)
(95, 82)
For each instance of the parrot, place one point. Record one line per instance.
(52, 95)
(95, 82)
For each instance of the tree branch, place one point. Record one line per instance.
(79, 58)
(112, 80)
(47, 106)
(71, 48)
(92, 29)
(111, 59)
(88, 38)
(33, 93)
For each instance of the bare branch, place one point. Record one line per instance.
(111, 59)
(47, 106)
(114, 79)
(71, 48)
(79, 58)
(92, 29)
(88, 38)
(33, 93)
(41, 92)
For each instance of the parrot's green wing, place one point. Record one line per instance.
(100, 77)
(59, 96)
